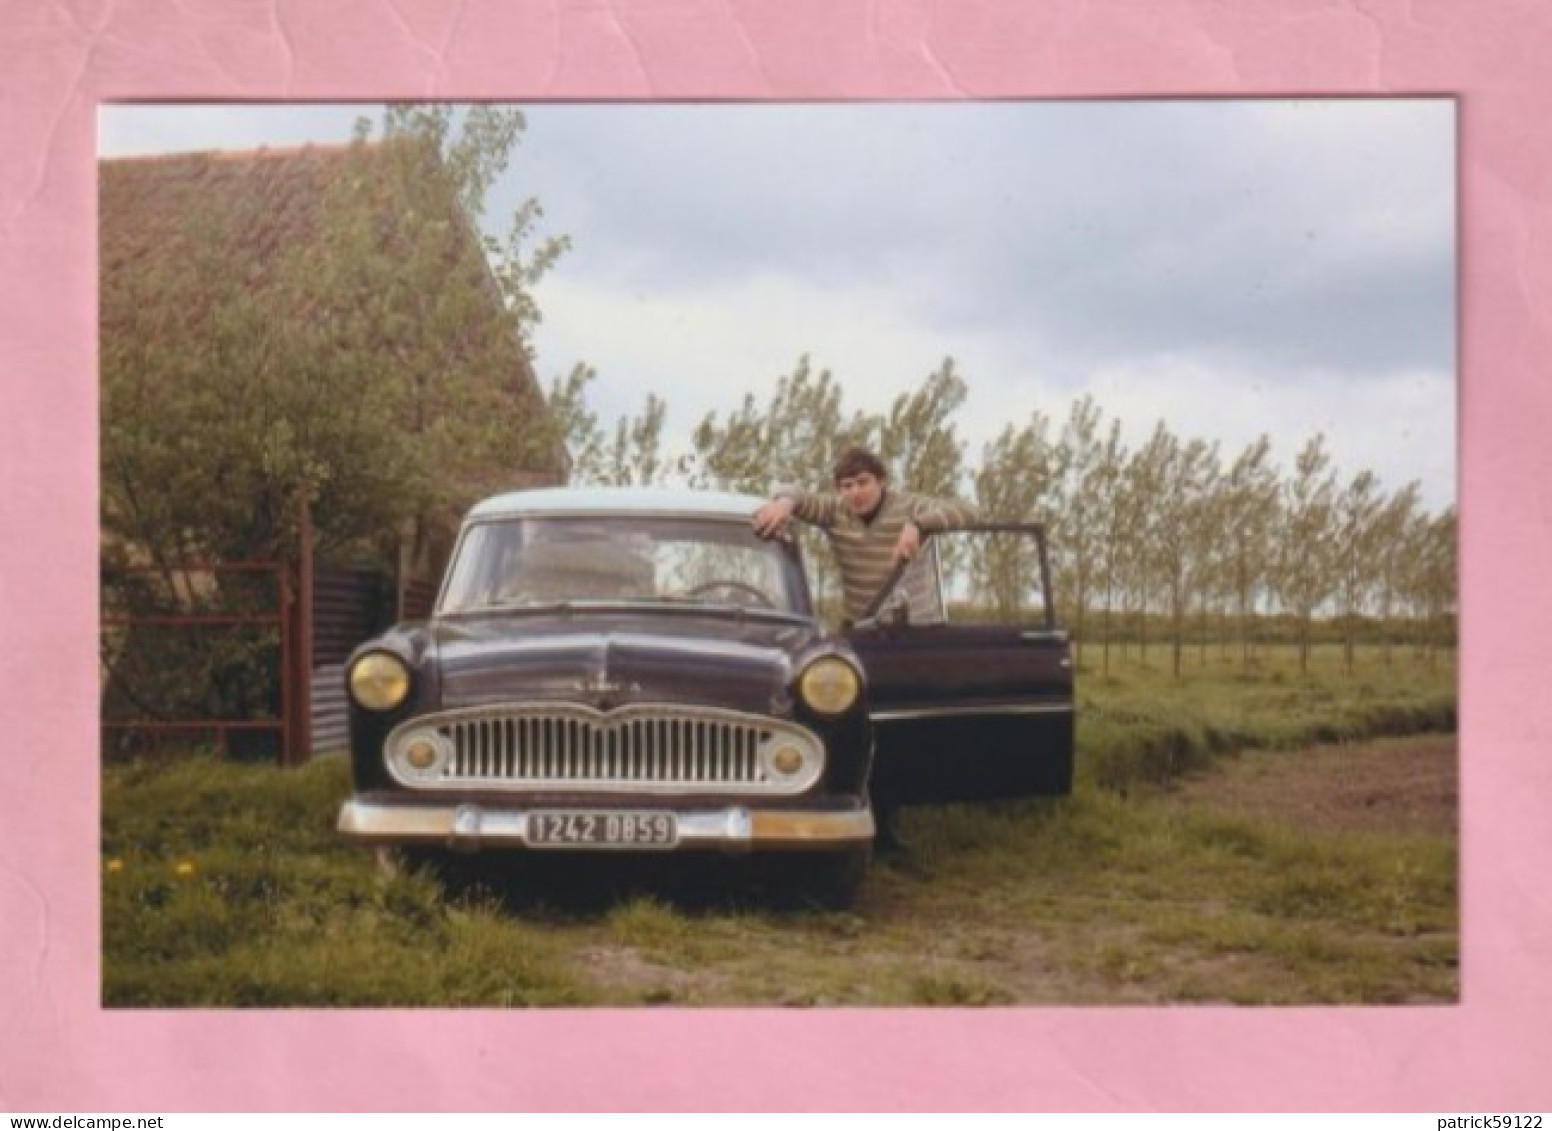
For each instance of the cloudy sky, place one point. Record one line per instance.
(1232, 267)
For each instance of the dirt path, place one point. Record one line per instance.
(1404, 785)
(1311, 876)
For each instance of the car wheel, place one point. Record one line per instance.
(832, 881)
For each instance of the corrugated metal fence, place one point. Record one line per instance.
(349, 605)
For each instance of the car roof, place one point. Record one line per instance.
(617, 501)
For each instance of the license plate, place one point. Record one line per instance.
(602, 828)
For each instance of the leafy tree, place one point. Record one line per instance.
(636, 455)
(355, 354)
(1305, 573)
(1249, 519)
(1013, 484)
(1143, 497)
(1111, 503)
(1391, 527)
(1077, 519)
(1203, 528)
(1431, 577)
(1357, 548)
(576, 425)
(1177, 477)
(917, 440)
(793, 438)
(364, 369)
(476, 145)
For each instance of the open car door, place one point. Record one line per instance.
(970, 679)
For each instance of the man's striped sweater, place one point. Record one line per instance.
(864, 547)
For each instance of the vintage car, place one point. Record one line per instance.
(634, 669)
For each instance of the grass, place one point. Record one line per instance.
(225, 885)
(1138, 724)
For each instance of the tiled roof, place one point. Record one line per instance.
(201, 222)
(253, 202)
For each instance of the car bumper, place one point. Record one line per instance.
(733, 828)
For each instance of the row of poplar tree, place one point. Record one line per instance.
(1174, 537)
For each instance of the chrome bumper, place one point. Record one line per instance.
(733, 828)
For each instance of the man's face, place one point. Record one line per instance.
(861, 492)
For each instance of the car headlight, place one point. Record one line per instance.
(419, 755)
(792, 762)
(829, 685)
(379, 681)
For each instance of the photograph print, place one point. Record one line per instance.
(779, 554)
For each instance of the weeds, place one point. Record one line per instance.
(225, 885)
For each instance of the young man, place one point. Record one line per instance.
(871, 527)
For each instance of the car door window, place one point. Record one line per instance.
(989, 575)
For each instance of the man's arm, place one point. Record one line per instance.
(930, 516)
(820, 510)
(934, 516)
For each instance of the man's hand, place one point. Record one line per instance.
(907, 545)
(769, 519)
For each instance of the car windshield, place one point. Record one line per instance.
(518, 563)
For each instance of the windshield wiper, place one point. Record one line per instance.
(513, 607)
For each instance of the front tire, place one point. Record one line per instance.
(832, 880)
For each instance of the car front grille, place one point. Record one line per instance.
(649, 748)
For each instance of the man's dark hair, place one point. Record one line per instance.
(854, 461)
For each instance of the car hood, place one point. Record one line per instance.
(607, 660)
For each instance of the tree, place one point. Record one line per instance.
(1013, 484)
(792, 438)
(318, 329)
(1110, 504)
(1143, 498)
(636, 455)
(1078, 518)
(474, 155)
(1249, 518)
(1356, 555)
(576, 425)
(1177, 484)
(1305, 572)
(1431, 578)
(372, 368)
(1391, 527)
(917, 441)
(1203, 523)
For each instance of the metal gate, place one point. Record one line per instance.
(180, 614)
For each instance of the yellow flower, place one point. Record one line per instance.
(184, 868)
(115, 865)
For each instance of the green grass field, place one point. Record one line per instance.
(1211, 852)
(1141, 724)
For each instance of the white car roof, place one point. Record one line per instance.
(617, 501)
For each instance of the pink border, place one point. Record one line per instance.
(60, 1051)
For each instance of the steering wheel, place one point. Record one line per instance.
(759, 595)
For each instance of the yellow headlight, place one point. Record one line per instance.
(829, 685)
(379, 681)
(787, 759)
(422, 755)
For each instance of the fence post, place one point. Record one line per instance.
(302, 652)
(287, 610)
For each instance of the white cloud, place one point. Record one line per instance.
(703, 351)
(1391, 425)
